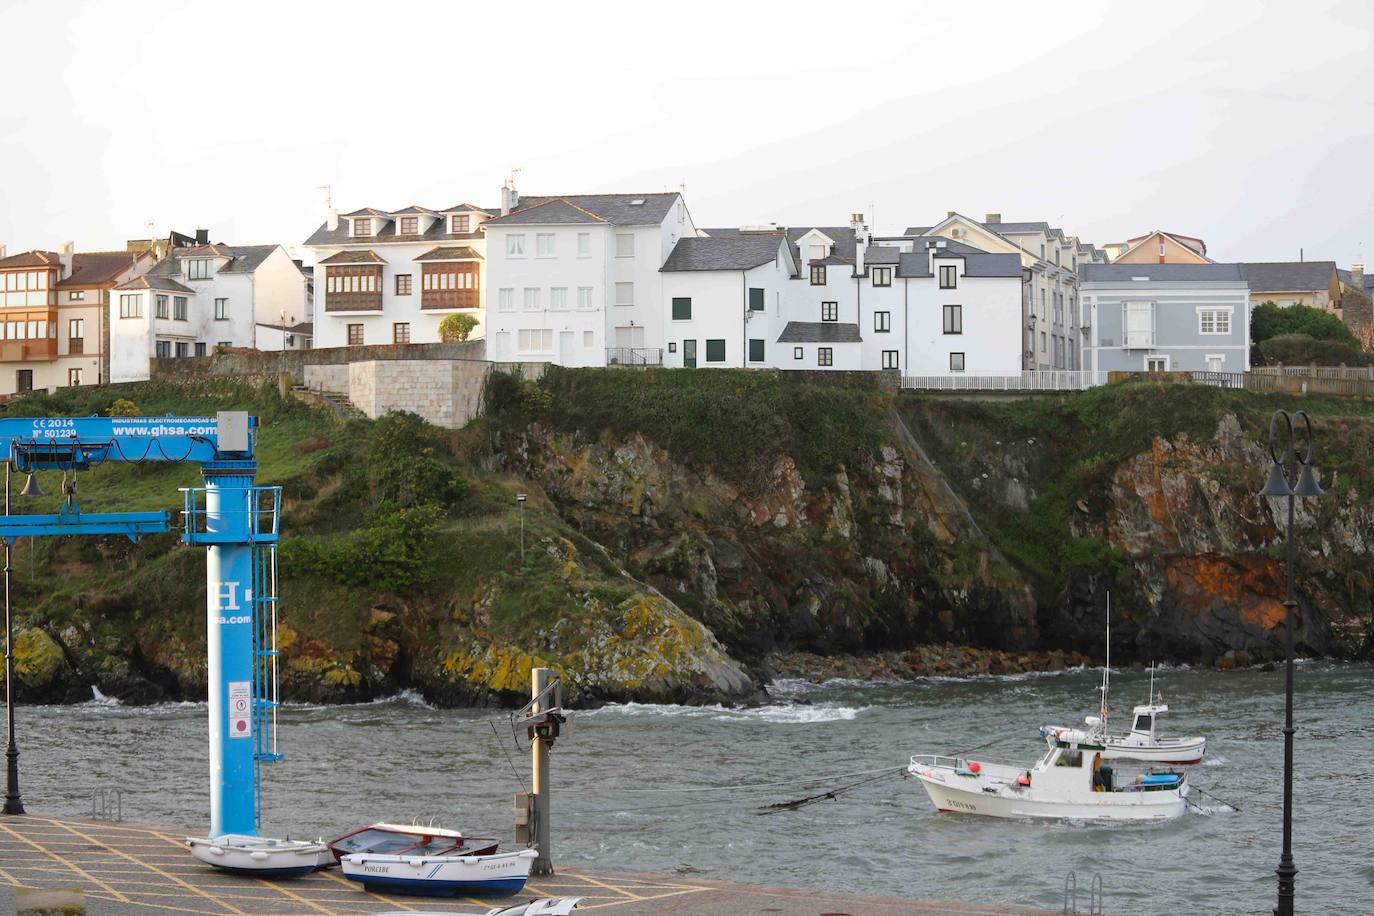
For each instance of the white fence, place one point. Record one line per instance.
(1050, 380)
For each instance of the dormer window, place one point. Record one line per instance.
(462, 223)
(410, 225)
(362, 227)
(817, 253)
(199, 268)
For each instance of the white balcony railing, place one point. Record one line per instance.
(1046, 380)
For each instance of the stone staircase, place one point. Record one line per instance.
(336, 401)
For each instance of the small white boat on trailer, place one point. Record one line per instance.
(1065, 784)
(260, 857)
(442, 875)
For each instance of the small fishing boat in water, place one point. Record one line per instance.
(441, 875)
(260, 857)
(1068, 782)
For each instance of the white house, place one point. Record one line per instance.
(575, 279)
(198, 298)
(386, 277)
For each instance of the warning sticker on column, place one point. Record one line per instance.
(240, 709)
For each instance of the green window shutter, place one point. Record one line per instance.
(755, 350)
(682, 309)
(755, 299)
(715, 351)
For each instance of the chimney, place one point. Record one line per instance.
(2, 251)
(949, 213)
(331, 218)
(856, 224)
(993, 219)
(68, 255)
(510, 198)
(1357, 277)
(202, 236)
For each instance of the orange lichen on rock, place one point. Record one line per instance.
(1250, 585)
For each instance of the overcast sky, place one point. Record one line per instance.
(1248, 124)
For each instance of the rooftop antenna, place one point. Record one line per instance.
(328, 195)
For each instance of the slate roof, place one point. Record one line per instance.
(984, 264)
(1345, 278)
(243, 259)
(739, 252)
(472, 208)
(151, 281)
(1162, 272)
(914, 264)
(31, 259)
(93, 268)
(437, 232)
(881, 255)
(366, 211)
(354, 257)
(451, 253)
(412, 210)
(819, 332)
(1289, 276)
(616, 209)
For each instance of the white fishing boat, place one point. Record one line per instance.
(440, 875)
(260, 857)
(542, 906)
(1068, 782)
(1143, 742)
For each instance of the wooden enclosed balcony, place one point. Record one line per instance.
(19, 351)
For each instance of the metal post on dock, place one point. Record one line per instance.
(541, 679)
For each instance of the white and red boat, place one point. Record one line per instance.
(410, 840)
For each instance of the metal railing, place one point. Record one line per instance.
(634, 356)
(1034, 380)
(262, 505)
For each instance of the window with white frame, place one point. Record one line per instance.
(882, 276)
(584, 244)
(1216, 362)
(584, 297)
(882, 322)
(531, 298)
(515, 246)
(1156, 363)
(817, 253)
(505, 299)
(544, 245)
(891, 360)
(558, 298)
(536, 340)
(160, 306)
(362, 227)
(589, 339)
(1214, 321)
(131, 305)
(624, 245)
(624, 293)
(1138, 324)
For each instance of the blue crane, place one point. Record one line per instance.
(238, 524)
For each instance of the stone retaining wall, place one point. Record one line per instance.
(245, 363)
(446, 392)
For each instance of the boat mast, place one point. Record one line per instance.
(1107, 668)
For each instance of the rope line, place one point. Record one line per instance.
(790, 784)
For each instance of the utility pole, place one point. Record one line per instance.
(14, 802)
(541, 680)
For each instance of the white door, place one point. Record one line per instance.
(1156, 364)
(1216, 362)
(565, 346)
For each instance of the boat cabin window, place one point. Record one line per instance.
(1070, 759)
(1142, 723)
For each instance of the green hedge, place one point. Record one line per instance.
(1302, 350)
(1268, 320)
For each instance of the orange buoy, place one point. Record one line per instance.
(973, 767)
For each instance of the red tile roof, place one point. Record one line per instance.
(31, 259)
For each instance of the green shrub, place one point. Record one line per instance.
(457, 326)
(1269, 320)
(397, 551)
(1302, 350)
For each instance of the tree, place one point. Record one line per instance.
(457, 326)
(1269, 320)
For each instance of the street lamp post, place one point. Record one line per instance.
(520, 498)
(14, 802)
(1285, 458)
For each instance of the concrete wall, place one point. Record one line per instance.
(445, 392)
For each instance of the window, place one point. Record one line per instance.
(584, 244)
(355, 335)
(755, 350)
(400, 332)
(672, 346)
(882, 322)
(584, 297)
(1156, 364)
(200, 348)
(1042, 342)
(544, 245)
(76, 334)
(23, 379)
(1214, 321)
(682, 309)
(531, 299)
(817, 253)
(1216, 362)
(198, 269)
(954, 319)
(624, 294)
(131, 306)
(817, 274)
(798, 353)
(183, 349)
(221, 309)
(755, 299)
(73, 378)
(882, 276)
(689, 354)
(1138, 322)
(830, 311)
(462, 223)
(410, 225)
(536, 340)
(505, 299)
(890, 359)
(76, 295)
(624, 245)
(161, 309)
(715, 351)
(949, 276)
(558, 298)
(179, 308)
(226, 344)
(403, 284)
(825, 356)
(163, 349)
(362, 227)
(956, 362)
(1143, 723)
(1161, 249)
(515, 246)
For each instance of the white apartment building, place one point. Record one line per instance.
(198, 298)
(388, 277)
(1051, 327)
(575, 279)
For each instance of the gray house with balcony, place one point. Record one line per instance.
(1165, 317)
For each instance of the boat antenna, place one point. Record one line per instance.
(1152, 682)
(1107, 668)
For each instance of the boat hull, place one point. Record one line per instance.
(258, 857)
(949, 796)
(441, 876)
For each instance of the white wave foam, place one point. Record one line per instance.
(406, 697)
(99, 699)
(1214, 762)
(777, 713)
